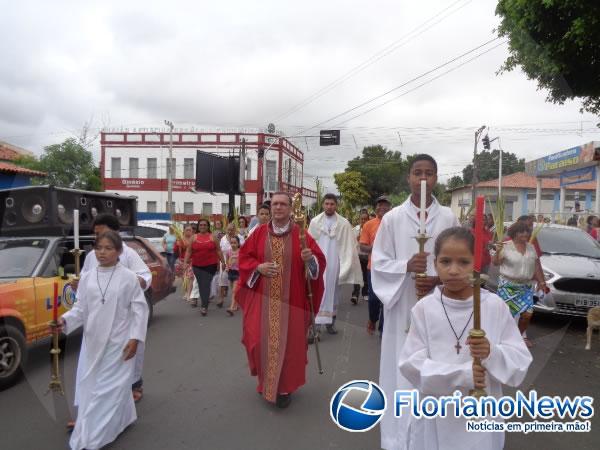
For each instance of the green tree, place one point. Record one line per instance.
(384, 171)
(67, 164)
(352, 188)
(557, 43)
(456, 181)
(487, 162)
(440, 192)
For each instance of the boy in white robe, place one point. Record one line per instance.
(337, 240)
(112, 310)
(394, 261)
(437, 355)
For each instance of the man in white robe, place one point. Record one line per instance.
(133, 261)
(106, 406)
(394, 261)
(433, 366)
(337, 240)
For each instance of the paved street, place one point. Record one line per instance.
(199, 393)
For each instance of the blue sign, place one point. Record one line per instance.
(578, 176)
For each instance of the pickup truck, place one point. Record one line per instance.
(29, 267)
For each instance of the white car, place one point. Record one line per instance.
(153, 231)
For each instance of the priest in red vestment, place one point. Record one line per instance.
(272, 292)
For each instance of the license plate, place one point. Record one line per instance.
(587, 301)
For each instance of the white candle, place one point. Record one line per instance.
(76, 227)
(422, 208)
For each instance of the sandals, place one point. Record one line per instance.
(203, 311)
(528, 343)
(70, 425)
(220, 304)
(138, 394)
(230, 311)
(193, 303)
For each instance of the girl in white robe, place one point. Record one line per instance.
(113, 312)
(437, 354)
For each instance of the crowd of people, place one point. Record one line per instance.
(286, 275)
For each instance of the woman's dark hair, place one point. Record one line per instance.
(113, 237)
(456, 233)
(516, 228)
(245, 221)
(237, 239)
(107, 219)
(423, 157)
(590, 219)
(202, 220)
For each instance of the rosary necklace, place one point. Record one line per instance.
(458, 338)
(103, 294)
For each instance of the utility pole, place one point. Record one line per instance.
(243, 178)
(475, 169)
(170, 171)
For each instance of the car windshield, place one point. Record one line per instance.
(19, 257)
(566, 241)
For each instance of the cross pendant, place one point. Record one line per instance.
(457, 347)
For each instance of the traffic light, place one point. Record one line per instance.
(329, 137)
(486, 142)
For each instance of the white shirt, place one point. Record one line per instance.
(515, 265)
(129, 258)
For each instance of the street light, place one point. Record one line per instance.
(170, 171)
(271, 129)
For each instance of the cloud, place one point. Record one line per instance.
(246, 63)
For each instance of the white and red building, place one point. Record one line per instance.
(136, 163)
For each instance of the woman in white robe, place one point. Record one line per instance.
(113, 312)
(436, 355)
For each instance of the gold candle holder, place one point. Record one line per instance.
(477, 332)
(422, 239)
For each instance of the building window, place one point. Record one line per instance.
(134, 168)
(271, 175)
(224, 208)
(188, 168)
(151, 168)
(248, 209)
(172, 168)
(188, 208)
(115, 167)
(207, 209)
(151, 207)
(173, 210)
(248, 169)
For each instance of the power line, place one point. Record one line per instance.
(374, 58)
(410, 81)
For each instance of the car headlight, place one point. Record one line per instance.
(548, 275)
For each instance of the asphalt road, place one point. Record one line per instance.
(198, 393)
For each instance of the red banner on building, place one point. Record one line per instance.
(147, 184)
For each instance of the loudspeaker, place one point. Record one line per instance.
(48, 210)
(216, 173)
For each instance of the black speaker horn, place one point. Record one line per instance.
(48, 210)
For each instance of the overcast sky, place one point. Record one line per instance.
(245, 64)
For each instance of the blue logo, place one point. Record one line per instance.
(357, 406)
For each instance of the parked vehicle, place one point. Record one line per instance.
(153, 231)
(29, 267)
(571, 265)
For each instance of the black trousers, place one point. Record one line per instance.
(204, 276)
(375, 307)
(365, 273)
